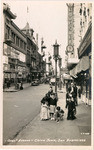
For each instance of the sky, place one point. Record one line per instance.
(47, 18)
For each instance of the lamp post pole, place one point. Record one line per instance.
(56, 56)
(55, 75)
(60, 61)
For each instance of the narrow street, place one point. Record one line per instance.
(30, 130)
(20, 108)
(47, 62)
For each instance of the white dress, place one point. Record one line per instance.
(44, 112)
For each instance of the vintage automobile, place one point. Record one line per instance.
(35, 82)
(52, 81)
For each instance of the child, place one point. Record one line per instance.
(44, 110)
(59, 114)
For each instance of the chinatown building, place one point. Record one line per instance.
(80, 48)
(34, 59)
(21, 59)
(14, 48)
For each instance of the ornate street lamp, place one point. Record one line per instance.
(60, 63)
(43, 54)
(43, 47)
(56, 56)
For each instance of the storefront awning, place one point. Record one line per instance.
(67, 77)
(72, 62)
(83, 65)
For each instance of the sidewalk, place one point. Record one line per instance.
(12, 88)
(66, 132)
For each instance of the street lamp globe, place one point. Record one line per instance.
(56, 49)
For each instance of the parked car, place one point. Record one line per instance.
(52, 81)
(35, 82)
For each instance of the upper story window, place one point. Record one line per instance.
(8, 31)
(7, 20)
(21, 44)
(24, 46)
(13, 36)
(17, 41)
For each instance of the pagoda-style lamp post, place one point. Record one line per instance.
(60, 63)
(56, 56)
(42, 54)
(43, 47)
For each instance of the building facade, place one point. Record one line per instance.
(14, 48)
(34, 59)
(21, 59)
(82, 30)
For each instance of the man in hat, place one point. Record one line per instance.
(75, 94)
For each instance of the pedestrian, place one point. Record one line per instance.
(21, 86)
(50, 90)
(71, 109)
(44, 109)
(59, 113)
(69, 87)
(74, 94)
(68, 94)
(50, 83)
(79, 92)
(47, 96)
(53, 103)
(8, 84)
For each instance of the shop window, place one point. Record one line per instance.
(84, 13)
(80, 11)
(88, 11)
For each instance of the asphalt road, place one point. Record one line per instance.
(20, 108)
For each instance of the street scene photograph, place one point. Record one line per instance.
(47, 73)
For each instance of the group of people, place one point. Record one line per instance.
(71, 101)
(49, 108)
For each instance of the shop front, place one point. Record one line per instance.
(81, 75)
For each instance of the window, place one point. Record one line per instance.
(13, 36)
(21, 44)
(7, 20)
(17, 41)
(24, 46)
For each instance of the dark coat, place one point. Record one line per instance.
(71, 110)
(75, 91)
(71, 105)
(46, 99)
(52, 101)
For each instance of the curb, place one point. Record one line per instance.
(11, 91)
(16, 90)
